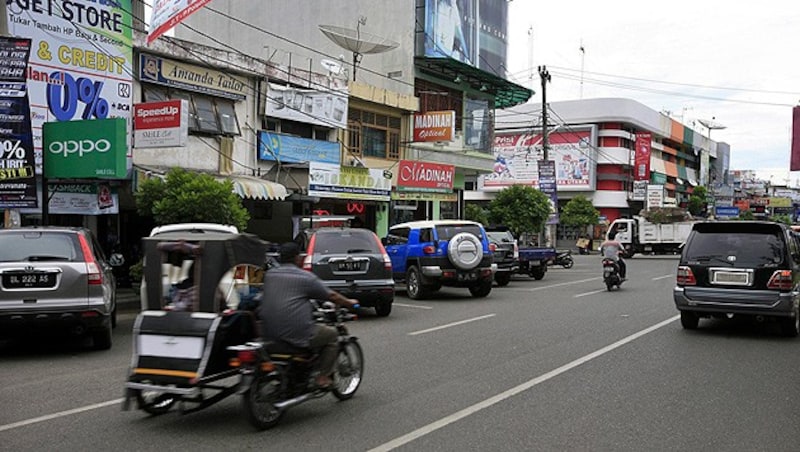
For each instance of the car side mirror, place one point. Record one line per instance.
(385, 241)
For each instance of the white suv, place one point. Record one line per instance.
(172, 275)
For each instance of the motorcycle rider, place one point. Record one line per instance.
(612, 249)
(286, 312)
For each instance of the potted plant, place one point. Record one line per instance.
(135, 274)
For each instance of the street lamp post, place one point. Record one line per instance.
(710, 124)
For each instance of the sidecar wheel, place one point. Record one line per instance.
(259, 403)
(348, 370)
(154, 403)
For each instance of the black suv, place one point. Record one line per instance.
(354, 263)
(740, 268)
(506, 254)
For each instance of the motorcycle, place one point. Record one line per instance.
(611, 276)
(564, 259)
(277, 376)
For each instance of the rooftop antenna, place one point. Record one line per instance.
(530, 58)
(357, 41)
(583, 54)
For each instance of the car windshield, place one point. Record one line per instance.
(753, 248)
(500, 236)
(345, 241)
(36, 246)
(447, 232)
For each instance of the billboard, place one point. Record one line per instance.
(324, 108)
(277, 147)
(81, 65)
(470, 31)
(517, 155)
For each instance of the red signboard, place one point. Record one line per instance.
(794, 164)
(157, 115)
(641, 163)
(435, 126)
(413, 175)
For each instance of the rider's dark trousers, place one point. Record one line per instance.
(324, 340)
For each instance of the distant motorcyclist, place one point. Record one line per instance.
(613, 250)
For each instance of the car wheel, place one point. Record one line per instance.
(414, 287)
(102, 339)
(465, 251)
(383, 309)
(790, 326)
(114, 317)
(481, 290)
(689, 320)
(502, 279)
(538, 273)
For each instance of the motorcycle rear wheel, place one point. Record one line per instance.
(348, 370)
(259, 402)
(154, 403)
(568, 263)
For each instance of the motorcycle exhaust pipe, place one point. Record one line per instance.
(292, 402)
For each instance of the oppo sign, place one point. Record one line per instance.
(80, 146)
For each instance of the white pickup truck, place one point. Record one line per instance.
(638, 235)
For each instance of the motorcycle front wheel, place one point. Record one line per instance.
(348, 370)
(259, 402)
(568, 263)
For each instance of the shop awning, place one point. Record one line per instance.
(255, 188)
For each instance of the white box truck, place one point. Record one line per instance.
(638, 235)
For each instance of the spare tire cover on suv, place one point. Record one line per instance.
(465, 251)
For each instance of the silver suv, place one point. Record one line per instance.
(56, 277)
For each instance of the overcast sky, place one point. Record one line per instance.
(738, 62)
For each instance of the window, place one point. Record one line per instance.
(373, 134)
(207, 114)
(398, 236)
(425, 235)
(433, 97)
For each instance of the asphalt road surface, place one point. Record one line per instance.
(556, 364)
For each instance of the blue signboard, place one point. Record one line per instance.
(726, 211)
(288, 149)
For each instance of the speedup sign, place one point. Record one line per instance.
(160, 124)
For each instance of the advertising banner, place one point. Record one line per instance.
(175, 74)
(324, 108)
(547, 185)
(161, 124)
(434, 126)
(641, 163)
(80, 199)
(17, 161)
(289, 149)
(516, 156)
(347, 182)
(413, 175)
(727, 212)
(167, 14)
(655, 196)
(639, 190)
(85, 149)
(471, 31)
(794, 164)
(81, 66)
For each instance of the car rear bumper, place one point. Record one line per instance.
(457, 278)
(75, 321)
(369, 293)
(735, 301)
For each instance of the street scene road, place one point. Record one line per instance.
(556, 364)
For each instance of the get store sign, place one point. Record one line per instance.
(85, 149)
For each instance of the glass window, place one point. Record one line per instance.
(152, 94)
(447, 232)
(206, 114)
(374, 142)
(373, 134)
(425, 235)
(227, 117)
(398, 236)
(192, 114)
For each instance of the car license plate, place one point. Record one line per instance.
(349, 266)
(735, 278)
(28, 280)
(467, 276)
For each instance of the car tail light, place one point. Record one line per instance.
(247, 356)
(685, 276)
(93, 270)
(429, 249)
(781, 280)
(516, 250)
(309, 253)
(387, 261)
(492, 247)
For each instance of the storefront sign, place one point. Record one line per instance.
(175, 74)
(80, 199)
(169, 13)
(655, 196)
(639, 190)
(779, 202)
(81, 66)
(435, 126)
(345, 182)
(413, 175)
(730, 212)
(161, 124)
(325, 108)
(85, 149)
(642, 158)
(289, 149)
(422, 196)
(547, 185)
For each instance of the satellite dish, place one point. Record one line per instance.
(333, 67)
(357, 41)
(711, 124)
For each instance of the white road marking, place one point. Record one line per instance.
(534, 289)
(447, 420)
(59, 414)
(403, 305)
(590, 293)
(461, 322)
(663, 277)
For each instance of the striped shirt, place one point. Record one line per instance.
(285, 311)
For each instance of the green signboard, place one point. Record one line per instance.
(85, 149)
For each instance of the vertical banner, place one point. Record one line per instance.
(17, 161)
(547, 185)
(641, 163)
(794, 165)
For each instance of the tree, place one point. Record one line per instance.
(746, 215)
(521, 208)
(697, 200)
(782, 218)
(474, 212)
(579, 212)
(189, 197)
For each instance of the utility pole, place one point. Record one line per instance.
(545, 77)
